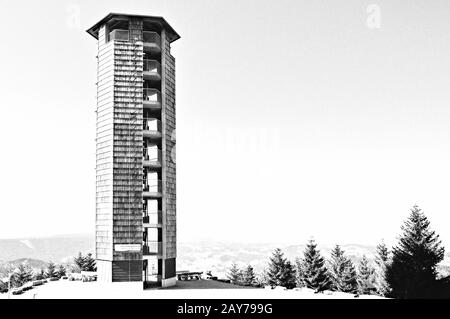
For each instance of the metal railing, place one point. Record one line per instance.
(119, 35)
(153, 186)
(152, 218)
(152, 248)
(152, 66)
(152, 274)
(152, 96)
(149, 37)
(152, 38)
(152, 154)
(151, 124)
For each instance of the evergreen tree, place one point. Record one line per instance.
(79, 262)
(280, 272)
(51, 270)
(249, 277)
(40, 275)
(3, 286)
(299, 272)
(314, 274)
(381, 260)
(15, 282)
(262, 279)
(343, 272)
(337, 265)
(350, 283)
(382, 255)
(412, 272)
(365, 276)
(89, 263)
(235, 274)
(61, 271)
(289, 278)
(23, 275)
(275, 269)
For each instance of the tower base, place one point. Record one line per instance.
(119, 271)
(169, 282)
(104, 270)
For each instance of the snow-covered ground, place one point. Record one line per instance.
(94, 290)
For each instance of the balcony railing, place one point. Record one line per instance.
(151, 124)
(151, 98)
(153, 186)
(152, 70)
(152, 218)
(152, 41)
(152, 248)
(152, 155)
(119, 35)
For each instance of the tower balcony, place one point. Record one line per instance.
(152, 189)
(152, 219)
(119, 35)
(152, 128)
(152, 158)
(152, 42)
(152, 70)
(152, 248)
(152, 99)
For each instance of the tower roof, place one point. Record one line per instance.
(172, 35)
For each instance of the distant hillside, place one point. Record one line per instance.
(33, 263)
(7, 266)
(56, 248)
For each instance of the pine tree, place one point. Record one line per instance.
(365, 276)
(40, 275)
(235, 274)
(79, 262)
(300, 275)
(337, 265)
(280, 271)
(15, 282)
(343, 272)
(314, 273)
(381, 260)
(89, 263)
(61, 271)
(23, 274)
(249, 277)
(3, 286)
(412, 272)
(275, 269)
(288, 278)
(382, 256)
(350, 283)
(51, 270)
(261, 279)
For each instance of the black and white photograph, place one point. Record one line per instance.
(225, 150)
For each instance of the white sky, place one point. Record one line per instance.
(294, 119)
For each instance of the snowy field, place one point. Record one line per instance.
(199, 289)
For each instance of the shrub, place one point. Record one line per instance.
(17, 291)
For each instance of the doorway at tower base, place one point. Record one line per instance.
(158, 272)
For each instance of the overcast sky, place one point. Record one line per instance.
(294, 118)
